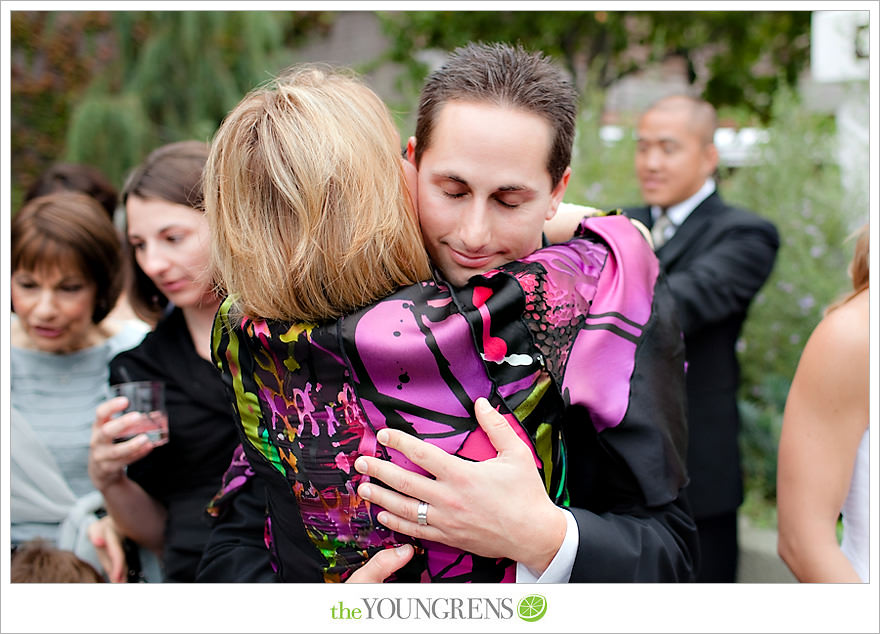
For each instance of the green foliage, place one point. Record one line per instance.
(184, 72)
(797, 187)
(753, 53)
(740, 57)
(761, 420)
(602, 172)
(53, 58)
(577, 38)
(107, 87)
(112, 131)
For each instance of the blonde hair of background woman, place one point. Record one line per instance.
(858, 267)
(307, 202)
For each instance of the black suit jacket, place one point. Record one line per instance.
(715, 264)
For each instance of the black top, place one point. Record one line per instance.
(185, 473)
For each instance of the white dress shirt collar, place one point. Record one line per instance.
(679, 213)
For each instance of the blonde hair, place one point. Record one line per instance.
(307, 202)
(858, 267)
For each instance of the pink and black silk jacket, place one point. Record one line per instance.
(576, 345)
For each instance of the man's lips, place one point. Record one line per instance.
(470, 261)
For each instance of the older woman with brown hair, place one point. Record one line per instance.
(66, 276)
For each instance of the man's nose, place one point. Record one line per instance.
(652, 158)
(475, 227)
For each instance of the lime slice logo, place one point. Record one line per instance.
(532, 608)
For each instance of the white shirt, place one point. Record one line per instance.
(855, 511)
(559, 569)
(678, 213)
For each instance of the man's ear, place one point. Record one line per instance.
(557, 193)
(711, 159)
(412, 182)
(411, 150)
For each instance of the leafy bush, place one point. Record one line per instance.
(798, 187)
(602, 171)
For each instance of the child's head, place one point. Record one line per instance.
(37, 561)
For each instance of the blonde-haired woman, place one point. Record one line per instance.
(823, 451)
(333, 227)
(336, 328)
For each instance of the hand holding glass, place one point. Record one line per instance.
(148, 399)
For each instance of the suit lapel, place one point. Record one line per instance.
(693, 226)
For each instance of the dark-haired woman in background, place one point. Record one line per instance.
(156, 496)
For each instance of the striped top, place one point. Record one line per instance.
(58, 394)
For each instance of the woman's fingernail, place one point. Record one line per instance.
(383, 436)
(403, 551)
(365, 491)
(360, 465)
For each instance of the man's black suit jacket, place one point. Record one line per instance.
(715, 264)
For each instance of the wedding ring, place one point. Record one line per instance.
(423, 514)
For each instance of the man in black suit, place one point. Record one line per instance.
(716, 258)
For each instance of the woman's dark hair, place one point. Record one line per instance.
(78, 178)
(172, 173)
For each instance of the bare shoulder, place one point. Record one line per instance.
(834, 365)
(846, 329)
(830, 388)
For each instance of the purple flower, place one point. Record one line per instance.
(806, 303)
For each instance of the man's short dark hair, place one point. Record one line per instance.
(503, 75)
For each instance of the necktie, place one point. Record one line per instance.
(659, 230)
